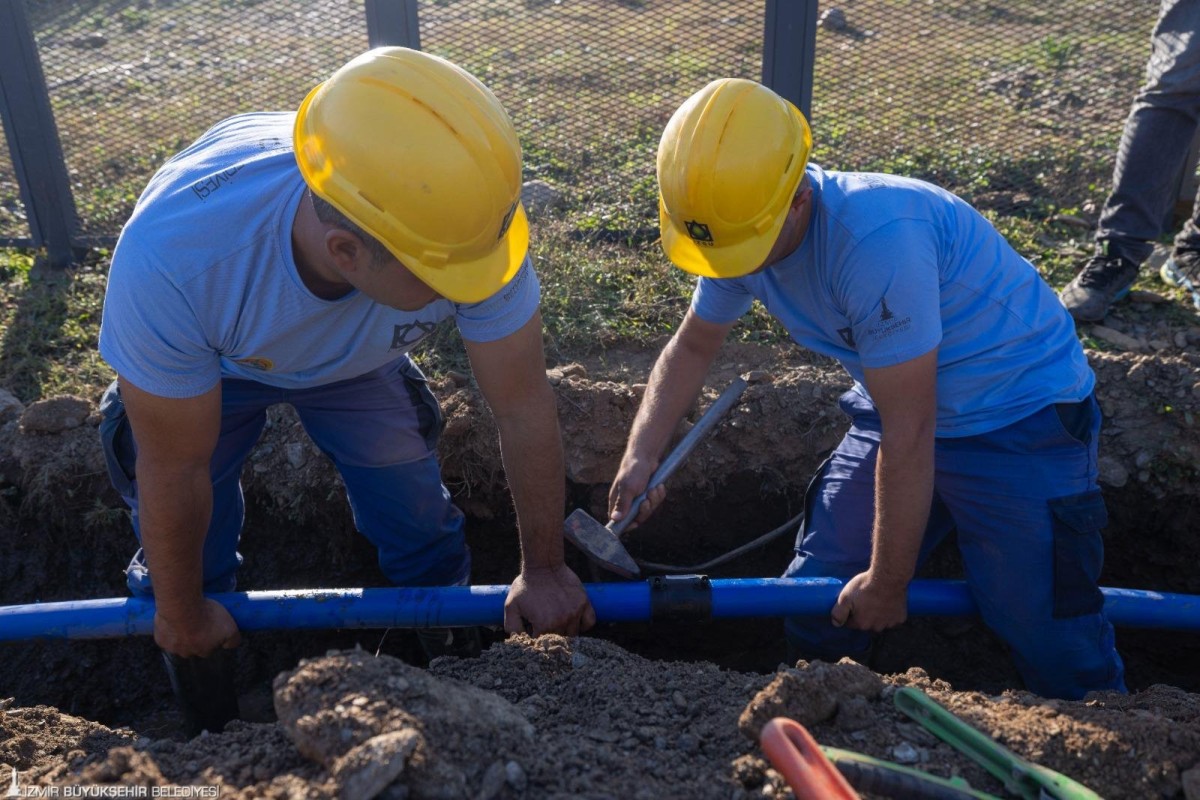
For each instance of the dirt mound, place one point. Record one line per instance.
(557, 718)
(606, 721)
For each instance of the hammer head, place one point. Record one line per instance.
(599, 544)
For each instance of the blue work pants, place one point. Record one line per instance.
(1028, 511)
(379, 429)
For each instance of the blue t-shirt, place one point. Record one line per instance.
(203, 285)
(891, 268)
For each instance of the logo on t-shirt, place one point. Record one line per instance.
(256, 362)
(204, 188)
(699, 232)
(888, 324)
(408, 334)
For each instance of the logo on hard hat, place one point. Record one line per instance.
(699, 232)
(508, 218)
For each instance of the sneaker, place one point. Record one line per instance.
(1103, 281)
(457, 642)
(1183, 271)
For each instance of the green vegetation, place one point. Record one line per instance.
(48, 328)
(1015, 107)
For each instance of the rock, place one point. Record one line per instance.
(493, 781)
(1191, 783)
(809, 694)
(758, 376)
(1144, 296)
(90, 42)
(854, 714)
(10, 407)
(575, 371)
(1181, 340)
(1112, 473)
(367, 769)
(295, 454)
(905, 753)
(833, 19)
(56, 414)
(458, 379)
(540, 197)
(514, 775)
(339, 707)
(1117, 339)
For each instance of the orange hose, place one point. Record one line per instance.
(796, 755)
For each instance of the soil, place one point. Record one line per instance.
(641, 710)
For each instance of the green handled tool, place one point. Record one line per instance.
(1022, 778)
(886, 779)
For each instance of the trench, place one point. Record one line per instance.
(122, 683)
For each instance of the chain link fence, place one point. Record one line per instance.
(1016, 105)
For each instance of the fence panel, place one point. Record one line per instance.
(14, 225)
(133, 81)
(1017, 106)
(590, 85)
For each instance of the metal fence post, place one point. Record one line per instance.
(789, 50)
(393, 22)
(33, 139)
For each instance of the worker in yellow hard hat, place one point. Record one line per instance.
(299, 258)
(972, 406)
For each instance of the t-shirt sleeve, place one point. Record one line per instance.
(889, 288)
(150, 335)
(721, 300)
(503, 313)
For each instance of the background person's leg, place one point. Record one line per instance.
(1029, 515)
(243, 414)
(1157, 137)
(1150, 161)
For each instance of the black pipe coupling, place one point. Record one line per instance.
(680, 598)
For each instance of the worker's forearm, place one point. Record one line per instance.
(675, 381)
(903, 494)
(174, 508)
(531, 448)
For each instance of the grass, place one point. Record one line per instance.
(49, 324)
(1015, 106)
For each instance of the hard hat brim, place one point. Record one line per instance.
(475, 281)
(712, 261)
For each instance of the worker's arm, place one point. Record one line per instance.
(175, 442)
(676, 379)
(511, 373)
(906, 397)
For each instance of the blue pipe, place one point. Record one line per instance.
(314, 609)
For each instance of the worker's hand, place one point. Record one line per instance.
(631, 480)
(548, 600)
(198, 634)
(869, 602)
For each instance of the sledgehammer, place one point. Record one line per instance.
(602, 543)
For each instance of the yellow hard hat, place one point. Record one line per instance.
(729, 162)
(421, 155)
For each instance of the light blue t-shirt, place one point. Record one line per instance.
(892, 267)
(203, 285)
